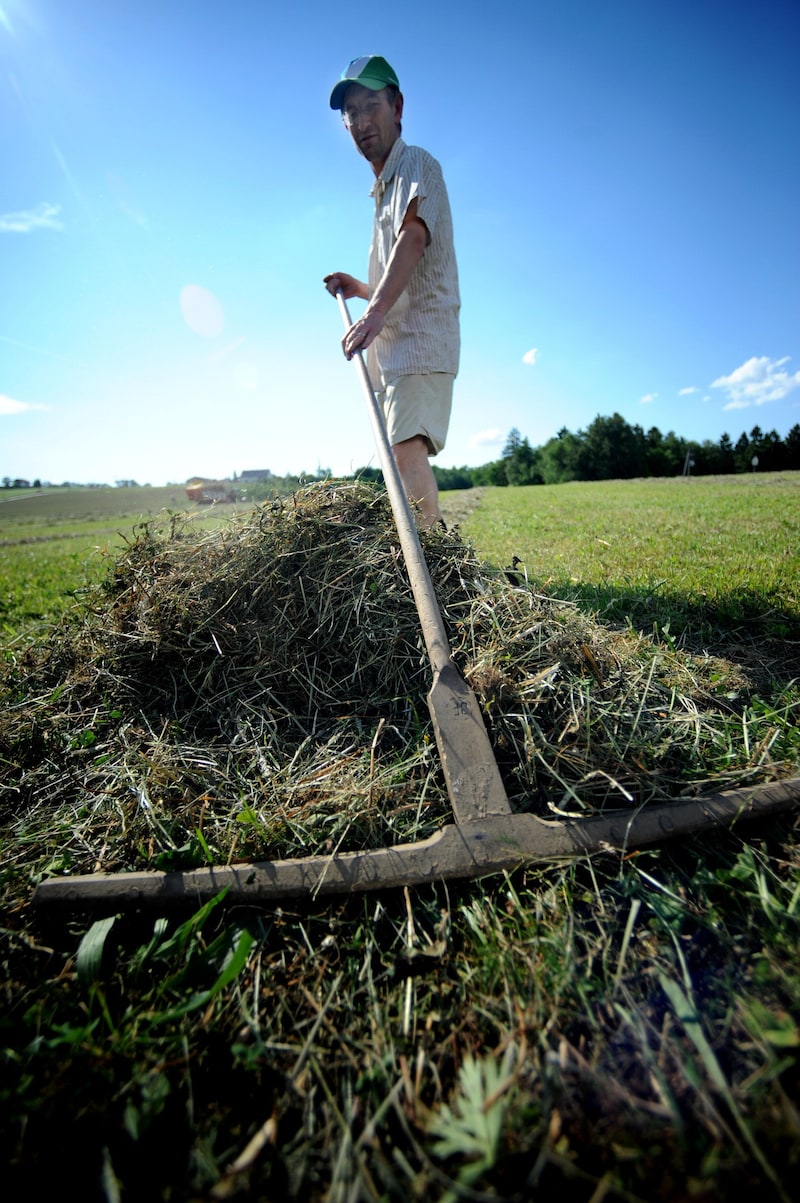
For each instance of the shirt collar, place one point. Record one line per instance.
(389, 168)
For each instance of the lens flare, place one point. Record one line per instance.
(202, 311)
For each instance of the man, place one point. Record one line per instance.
(410, 327)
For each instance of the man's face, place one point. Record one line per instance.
(373, 121)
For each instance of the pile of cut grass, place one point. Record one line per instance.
(620, 1027)
(259, 691)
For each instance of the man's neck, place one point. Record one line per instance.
(378, 167)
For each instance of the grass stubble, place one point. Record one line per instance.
(615, 1027)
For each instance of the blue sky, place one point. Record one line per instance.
(625, 185)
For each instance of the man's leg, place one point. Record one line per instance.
(417, 476)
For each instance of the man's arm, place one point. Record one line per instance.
(408, 249)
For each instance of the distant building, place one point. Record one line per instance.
(255, 474)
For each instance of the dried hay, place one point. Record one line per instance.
(259, 692)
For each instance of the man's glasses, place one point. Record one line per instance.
(352, 117)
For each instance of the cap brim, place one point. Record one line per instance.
(365, 81)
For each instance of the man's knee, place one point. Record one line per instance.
(411, 451)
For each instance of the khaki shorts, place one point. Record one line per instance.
(415, 405)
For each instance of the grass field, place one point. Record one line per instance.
(696, 552)
(52, 542)
(688, 551)
(610, 1028)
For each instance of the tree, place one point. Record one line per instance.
(493, 473)
(792, 444)
(742, 453)
(559, 459)
(771, 452)
(655, 455)
(512, 443)
(521, 466)
(453, 478)
(727, 461)
(370, 474)
(613, 450)
(705, 457)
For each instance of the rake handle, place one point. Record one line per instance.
(430, 616)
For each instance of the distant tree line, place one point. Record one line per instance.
(18, 483)
(611, 449)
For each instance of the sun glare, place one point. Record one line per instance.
(202, 311)
(14, 14)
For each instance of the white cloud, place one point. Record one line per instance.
(9, 406)
(530, 356)
(485, 438)
(757, 381)
(687, 392)
(648, 399)
(737, 405)
(41, 217)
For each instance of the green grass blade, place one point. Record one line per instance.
(686, 1013)
(90, 951)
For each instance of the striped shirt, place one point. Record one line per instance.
(421, 333)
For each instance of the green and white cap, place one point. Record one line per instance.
(370, 71)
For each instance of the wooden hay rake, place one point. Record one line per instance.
(486, 836)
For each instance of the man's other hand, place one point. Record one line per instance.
(348, 285)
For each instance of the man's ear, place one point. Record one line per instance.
(398, 107)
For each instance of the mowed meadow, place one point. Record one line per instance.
(614, 1027)
(702, 545)
(54, 541)
(702, 554)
